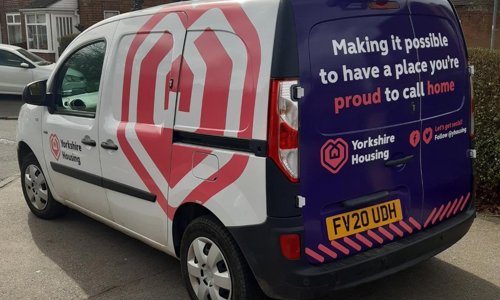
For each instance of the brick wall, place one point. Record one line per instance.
(12, 6)
(477, 28)
(92, 11)
(47, 56)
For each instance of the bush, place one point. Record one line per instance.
(487, 118)
(65, 41)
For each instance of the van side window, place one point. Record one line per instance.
(77, 82)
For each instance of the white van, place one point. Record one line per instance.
(290, 147)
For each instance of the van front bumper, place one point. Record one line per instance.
(285, 279)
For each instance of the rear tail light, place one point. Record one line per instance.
(290, 246)
(283, 135)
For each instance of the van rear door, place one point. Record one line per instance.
(362, 163)
(446, 113)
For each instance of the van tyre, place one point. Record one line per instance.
(36, 190)
(212, 265)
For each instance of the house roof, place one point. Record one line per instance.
(41, 3)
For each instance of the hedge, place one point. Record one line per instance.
(487, 125)
(65, 41)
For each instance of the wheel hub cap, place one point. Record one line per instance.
(208, 270)
(36, 187)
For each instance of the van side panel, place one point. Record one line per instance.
(136, 116)
(226, 62)
(214, 84)
(154, 85)
(230, 187)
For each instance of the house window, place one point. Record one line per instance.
(36, 31)
(14, 28)
(110, 13)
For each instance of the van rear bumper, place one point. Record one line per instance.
(281, 278)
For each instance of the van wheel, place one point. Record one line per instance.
(36, 190)
(212, 266)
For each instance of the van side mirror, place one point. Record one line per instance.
(25, 65)
(35, 93)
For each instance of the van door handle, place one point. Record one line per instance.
(398, 162)
(109, 144)
(88, 141)
(365, 200)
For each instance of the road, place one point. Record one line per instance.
(9, 109)
(78, 258)
(8, 156)
(9, 106)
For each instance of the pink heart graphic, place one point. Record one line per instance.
(334, 154)
(55, 146)
(428, 134)
(157, 141)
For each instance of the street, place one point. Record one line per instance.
(8, 156)
(76, 257)
(9, 106)
(9, 109)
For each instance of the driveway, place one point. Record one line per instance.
(9, 106)
(76, 257)
(8, 155)
(9, 110)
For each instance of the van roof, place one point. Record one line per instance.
(152, 10)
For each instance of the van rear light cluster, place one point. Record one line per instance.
(283, 135)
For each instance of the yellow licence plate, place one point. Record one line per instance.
(363, 219)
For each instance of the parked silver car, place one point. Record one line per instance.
(19, 67)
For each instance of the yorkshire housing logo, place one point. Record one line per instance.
(334, 154)
(55, 146)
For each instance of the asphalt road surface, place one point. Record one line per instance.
(9, 109)
(8, 155)
(9, 106)
(76, 257)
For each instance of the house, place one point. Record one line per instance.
(37, 25)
